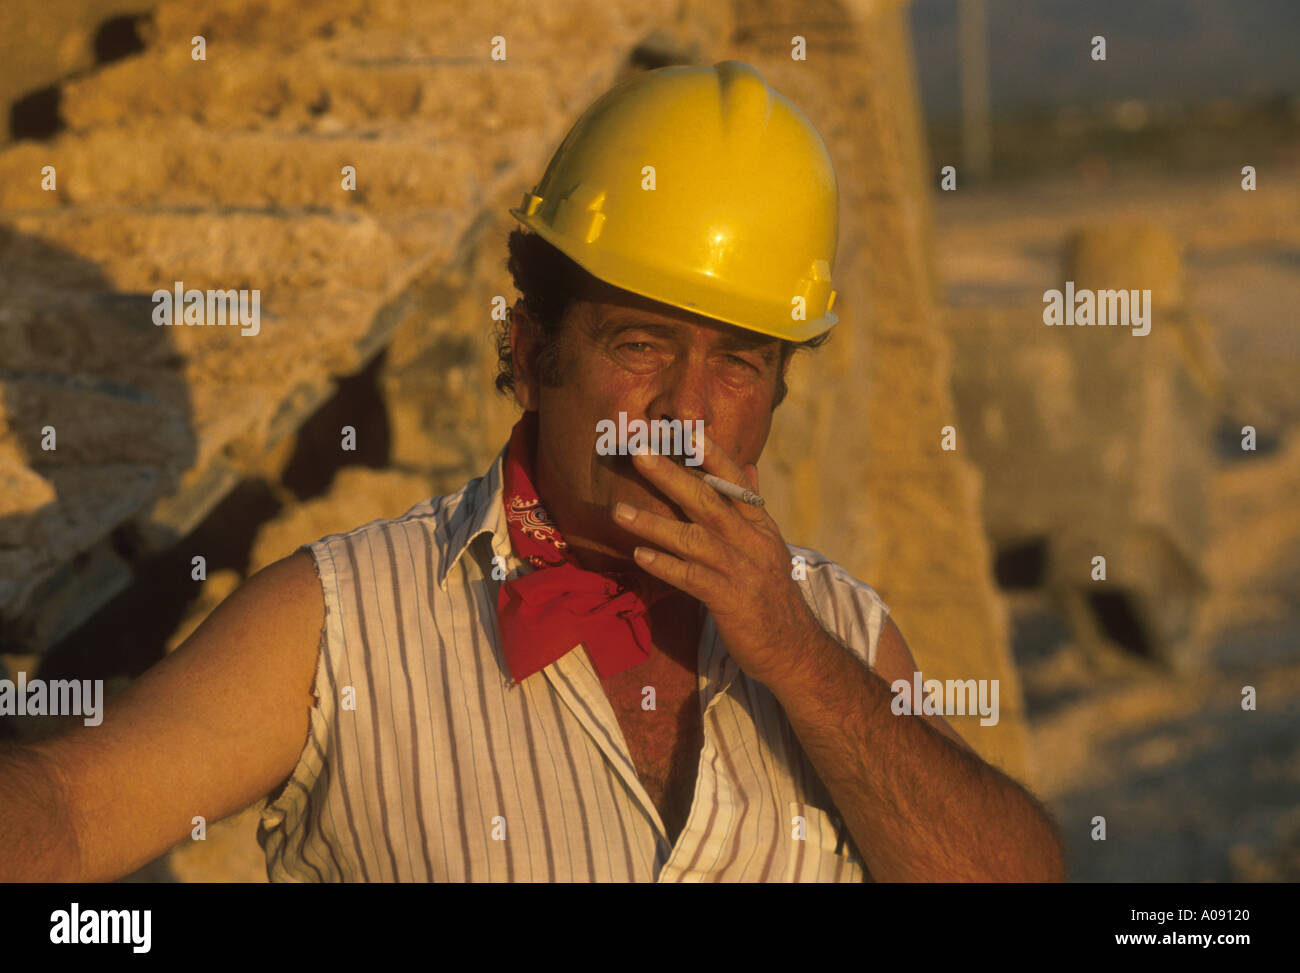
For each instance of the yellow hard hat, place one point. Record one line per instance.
(701, 188)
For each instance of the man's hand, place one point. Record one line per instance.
(919, 804)
(730, 556)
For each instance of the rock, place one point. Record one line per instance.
(1098, 442)
(357, 496)
(229, 852)
(23, 493)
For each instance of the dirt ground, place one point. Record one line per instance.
(1191, 786)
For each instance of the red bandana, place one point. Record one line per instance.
(546, 613)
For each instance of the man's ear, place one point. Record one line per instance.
(523, 351)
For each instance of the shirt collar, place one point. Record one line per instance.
(483, 499)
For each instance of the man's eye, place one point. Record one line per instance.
(630, 344)
(742, 361)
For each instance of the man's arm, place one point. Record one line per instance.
(37, 842)
(921, 805)
(207, 731)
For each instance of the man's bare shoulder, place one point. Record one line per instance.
(216, 725)
(294, 577)
(283, 599)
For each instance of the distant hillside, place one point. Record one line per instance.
(1165, 50)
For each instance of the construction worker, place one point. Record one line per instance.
(584, 665)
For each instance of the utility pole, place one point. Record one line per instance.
(972, 42)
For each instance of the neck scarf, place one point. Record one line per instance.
(546, 613)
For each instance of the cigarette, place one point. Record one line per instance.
(725, 487)
(732, 490)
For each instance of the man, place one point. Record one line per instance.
(582, 666)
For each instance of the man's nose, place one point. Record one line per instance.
(685, 394)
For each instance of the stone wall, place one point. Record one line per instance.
(43, 44)
(227, 173)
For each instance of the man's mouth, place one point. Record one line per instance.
(626, 463)
(625, 466)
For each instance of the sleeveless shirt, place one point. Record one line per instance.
(423, 763)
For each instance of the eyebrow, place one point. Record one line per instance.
(728, 340)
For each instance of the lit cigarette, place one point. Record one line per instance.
(726, 487)
(732, 490)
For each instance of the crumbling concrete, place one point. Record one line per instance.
(227, 173)
(1097, 442)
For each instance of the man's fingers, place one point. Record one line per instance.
(699, 501)
(695, 579)
(691, 541)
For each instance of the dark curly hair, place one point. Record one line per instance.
(548, 281)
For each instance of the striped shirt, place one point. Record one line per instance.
(424, 763)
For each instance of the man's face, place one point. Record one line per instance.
(619, 352)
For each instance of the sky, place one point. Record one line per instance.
(1181, 51)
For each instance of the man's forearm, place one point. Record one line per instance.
(918, 806)
(37, 839)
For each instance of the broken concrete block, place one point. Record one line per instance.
(1096, 441)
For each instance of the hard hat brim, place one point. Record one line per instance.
(716, 300)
